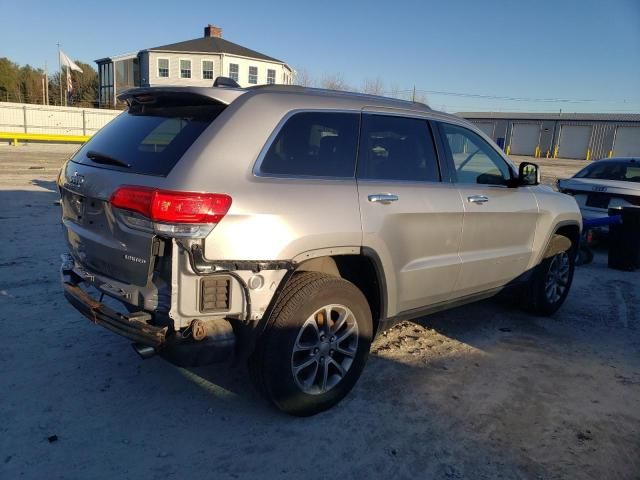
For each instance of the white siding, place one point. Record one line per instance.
(283, 74)
(150, 75)
(149, 69)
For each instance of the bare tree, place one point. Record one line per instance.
(373, 87)
(303, 78)
(334, 82)
(394, 91)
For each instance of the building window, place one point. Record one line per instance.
(253, 75)
(163, 67)
(233, 71)
(185, 68)
(271, 77)
(207, 70)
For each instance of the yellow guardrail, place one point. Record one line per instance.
(14, 137)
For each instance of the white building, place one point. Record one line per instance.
(194, 62)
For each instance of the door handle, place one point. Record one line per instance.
(383, 198)
(479, 199)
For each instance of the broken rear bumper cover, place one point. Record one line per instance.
(135, 326)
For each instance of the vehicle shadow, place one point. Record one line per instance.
(483, 390)
(50, 185)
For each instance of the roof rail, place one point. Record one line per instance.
(325, 91)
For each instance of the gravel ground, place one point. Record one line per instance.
(482, 391)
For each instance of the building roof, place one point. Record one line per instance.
(606, 117)
(115, 58)
(214, 45)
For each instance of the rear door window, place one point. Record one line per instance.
(315, 144)
(150, 138)
(397, 148)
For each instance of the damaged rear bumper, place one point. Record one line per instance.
(135, 326)
(212, 341)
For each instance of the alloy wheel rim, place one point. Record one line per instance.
(325, 349)
(557, 278)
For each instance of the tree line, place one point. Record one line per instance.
(372, 86)
(24, 84)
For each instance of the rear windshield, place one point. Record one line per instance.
(150, 138)
(607, 170)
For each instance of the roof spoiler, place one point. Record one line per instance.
(148, 94)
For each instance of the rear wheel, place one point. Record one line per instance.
(315, 348)
(551, 283)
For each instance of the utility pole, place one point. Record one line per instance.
(59, 73)
(413, 96)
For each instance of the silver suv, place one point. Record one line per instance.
(286, 226)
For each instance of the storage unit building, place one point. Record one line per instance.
(573, 141)
(627, 142)
(525, 138)
(561, 135)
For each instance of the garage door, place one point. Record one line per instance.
(574, 141)
(486, 127)
(525, 138)
(627, 143)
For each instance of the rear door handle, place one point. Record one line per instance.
(384, 198)
(480, 199)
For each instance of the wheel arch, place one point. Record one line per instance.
(364, 270)
(569, 229)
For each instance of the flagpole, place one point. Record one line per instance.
(59, 73)
(46, 83)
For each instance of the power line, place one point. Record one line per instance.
(509, 98)
(506, 108)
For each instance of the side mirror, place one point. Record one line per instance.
(528, 174)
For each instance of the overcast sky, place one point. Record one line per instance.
(464, 55)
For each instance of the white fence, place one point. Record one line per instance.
(49, 119)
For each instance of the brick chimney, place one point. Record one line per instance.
(212, 31)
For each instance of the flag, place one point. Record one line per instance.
(65, 61)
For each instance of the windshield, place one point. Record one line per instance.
(624, 171)
(150, 138)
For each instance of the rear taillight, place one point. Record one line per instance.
(169, 212)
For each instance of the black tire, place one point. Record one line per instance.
(272, 363)
(537, 299)
(585, 256)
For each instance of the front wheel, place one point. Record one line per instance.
(551, 282)
(313, 352)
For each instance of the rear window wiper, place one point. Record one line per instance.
(106, 159)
